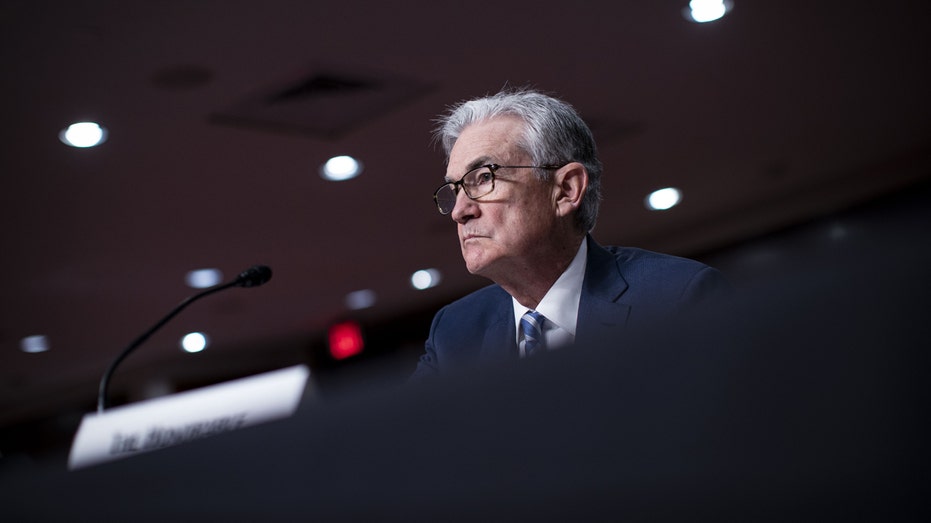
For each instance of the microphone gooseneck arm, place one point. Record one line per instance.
(251, 277)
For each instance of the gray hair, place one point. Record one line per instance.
(554, 134)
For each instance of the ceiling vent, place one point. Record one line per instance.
(327, 103)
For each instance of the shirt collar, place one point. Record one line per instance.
(560, 305)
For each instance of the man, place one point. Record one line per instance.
(523, 184)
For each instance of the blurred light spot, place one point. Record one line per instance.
(702, 11)
(838, 232)
(341, 168)
(194, 342)
(663, 199)
(345, 340)
(203, 278)
(156, 388)
(425, 278)
(360, 299)
(34, 344)
(83, 134)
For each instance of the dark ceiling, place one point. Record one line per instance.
(221, 112)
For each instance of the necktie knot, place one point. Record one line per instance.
(531, 329)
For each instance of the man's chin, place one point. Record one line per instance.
(480, 261)
(484, 268)
(476, 267)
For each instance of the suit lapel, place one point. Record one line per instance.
(498, 343)
(603, 285)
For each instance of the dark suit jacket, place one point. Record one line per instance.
(623, 288)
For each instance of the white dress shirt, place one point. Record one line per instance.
(560, 305)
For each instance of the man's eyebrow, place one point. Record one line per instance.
(479, 162)
(474, 164)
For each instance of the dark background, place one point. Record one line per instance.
(798, 131)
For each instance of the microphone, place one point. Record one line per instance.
(251, 277)
(254, 276)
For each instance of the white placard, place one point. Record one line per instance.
(164, 422)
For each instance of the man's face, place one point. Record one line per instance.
(509, 229)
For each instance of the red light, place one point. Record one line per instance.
(345, 340)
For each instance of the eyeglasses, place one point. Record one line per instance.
(476, 183)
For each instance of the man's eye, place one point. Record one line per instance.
(483, 178)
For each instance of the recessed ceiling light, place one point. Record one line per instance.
(702, 11)
(340, 168)
(425, 278)
(360, 299)
(34, 344)
(663, 199)
(83, 134)
(203, 278)
(194, 342)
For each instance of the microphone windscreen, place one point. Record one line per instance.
(254, 276)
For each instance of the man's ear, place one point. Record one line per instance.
(569, 185)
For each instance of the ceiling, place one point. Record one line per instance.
(221, 112)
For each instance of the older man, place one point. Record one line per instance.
(523, 184)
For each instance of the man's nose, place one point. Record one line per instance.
(465, 209)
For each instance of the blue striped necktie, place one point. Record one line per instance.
(531, 328)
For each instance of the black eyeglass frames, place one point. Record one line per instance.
(476, 183)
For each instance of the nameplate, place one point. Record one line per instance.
(154, 424)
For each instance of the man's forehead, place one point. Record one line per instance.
(496, 140)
